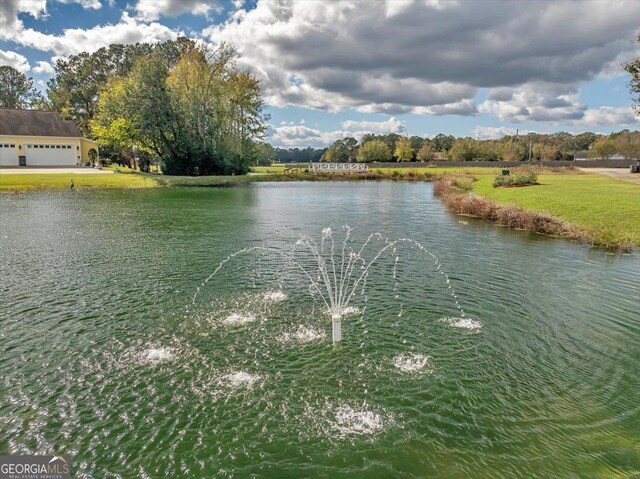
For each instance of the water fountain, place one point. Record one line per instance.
(337, 274)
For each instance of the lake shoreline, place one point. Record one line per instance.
(447, 186)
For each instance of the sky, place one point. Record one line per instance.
(331, 69)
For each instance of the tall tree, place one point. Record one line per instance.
(403, 151)
(628, 145)
(198, 114)
(17, 91)
(442, 142)
(604, 149)
(265, 154)
(633, 67)
(74, 90)
(426, 153)
(341, 151)
(374, 150)
(464, 149)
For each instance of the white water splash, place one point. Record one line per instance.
(274, 296)
(349, 421)
(304, 334)
(471, 325)
(240, 379)
(413, 363)
(237, 319)
(350, 311)
(156, 355)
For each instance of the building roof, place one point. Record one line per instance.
(36, 123)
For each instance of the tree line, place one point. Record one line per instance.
(533, 146)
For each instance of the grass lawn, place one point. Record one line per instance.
(19, 182)
(271, 169)
(607, 208)
(128, 179)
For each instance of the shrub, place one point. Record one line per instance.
(525, 178)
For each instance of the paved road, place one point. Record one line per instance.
(33, 171)
(618, 173)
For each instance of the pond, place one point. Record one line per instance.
(474, 351)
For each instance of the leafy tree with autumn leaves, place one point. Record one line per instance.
(199, 114)
(374, 150)
(404, 151)
(633, 68)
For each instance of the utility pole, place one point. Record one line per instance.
(529, 150)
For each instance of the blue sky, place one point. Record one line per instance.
(416, 67)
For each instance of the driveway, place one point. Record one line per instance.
(38, 171)
(618, 173)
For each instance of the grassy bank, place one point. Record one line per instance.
(25, 182)
(590, 208)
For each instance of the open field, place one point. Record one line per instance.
(606, 208)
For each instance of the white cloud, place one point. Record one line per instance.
(88, 4)
(392, 125)
(149, 10)
(536, 101)
(43, 67)
(15, 60)
(9, 9)
(76, 40)
(607, 115)
(428, 57)
(495, 132)
(290, 135)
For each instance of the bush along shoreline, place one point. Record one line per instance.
(526, 178)
(456, 195)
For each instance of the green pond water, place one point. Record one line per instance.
(109, 356)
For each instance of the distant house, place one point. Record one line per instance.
(42, 138)
(584, 155)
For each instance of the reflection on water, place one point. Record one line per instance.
(105, 357)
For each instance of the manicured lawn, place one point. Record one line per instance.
(607, 208)
(19, 182)
(22, 182)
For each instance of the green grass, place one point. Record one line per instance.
(606, 208)
(24, 182)
(21, 182)
(270, 169)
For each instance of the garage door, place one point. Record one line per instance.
(8, 154)
(50, 155)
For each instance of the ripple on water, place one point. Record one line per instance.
(471, 325)
(413, 363)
